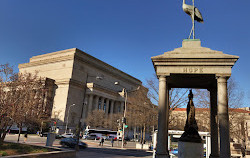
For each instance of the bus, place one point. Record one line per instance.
(97, 134)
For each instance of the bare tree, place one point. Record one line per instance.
(177, 97)
(141, 113)
(21, 99)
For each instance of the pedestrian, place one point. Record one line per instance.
(25, 137)
(125, 143)
(112, 141)
(102, 141)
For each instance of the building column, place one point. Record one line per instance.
(90, 103)
(102, 103)
(115, 107)
(214, 124)
(96, 102)
(162, 135)
(107, 106)
(223, 117)
(111, 111)
(85, 107)
(122, 107)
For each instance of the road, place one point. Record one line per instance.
(93, 150)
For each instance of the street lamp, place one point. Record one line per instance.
(68, 118)
(124, 113)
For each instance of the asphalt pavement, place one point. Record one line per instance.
(93, 150)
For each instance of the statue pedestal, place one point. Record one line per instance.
(190, 149)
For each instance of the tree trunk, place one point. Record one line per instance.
(3, 134)
(19, 132)
(144, 132)
(141, 136)
(134, 132)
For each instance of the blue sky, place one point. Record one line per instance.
(123, 33)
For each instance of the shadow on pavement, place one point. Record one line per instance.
(116, 152)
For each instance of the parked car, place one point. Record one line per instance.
(71, 142)
(68, 135)
(174, 151)
(92, 137)
(110, 137)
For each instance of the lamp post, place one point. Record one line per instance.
(124, 113)
(68, 118)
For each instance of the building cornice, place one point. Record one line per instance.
(88, 59)
(47, 61)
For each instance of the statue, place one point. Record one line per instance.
(191, 129)
(194, 13)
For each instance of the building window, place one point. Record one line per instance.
(99, 103)
(104, 105)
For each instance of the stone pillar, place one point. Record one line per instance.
(223, 117)
(112, 107)
(122, 106)
(102, 103)
(162, 135)
(107, 106)
(214, 123)
(85, 107)
(111, 111)
(90, 103)
(96, 102)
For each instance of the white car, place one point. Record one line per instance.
(68, 135)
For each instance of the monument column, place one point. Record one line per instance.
(162, 135)
(223, 117)
(214, 123)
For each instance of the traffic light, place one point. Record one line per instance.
(124, 120)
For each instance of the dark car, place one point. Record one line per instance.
(71, 142)
(127, 138)
(59, 136)
(92, 137)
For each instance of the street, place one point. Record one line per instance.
(93, 150)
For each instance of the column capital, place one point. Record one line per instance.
(222, 78)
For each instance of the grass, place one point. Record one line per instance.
(17, 149)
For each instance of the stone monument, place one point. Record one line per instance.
(190, 143)
(194, 66)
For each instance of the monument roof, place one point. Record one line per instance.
(192, 49)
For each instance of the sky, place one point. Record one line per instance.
(124, 33)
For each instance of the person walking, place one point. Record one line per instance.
(101, 141)
(112, 142)
(25, 137)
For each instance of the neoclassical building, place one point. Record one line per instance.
(81, 80)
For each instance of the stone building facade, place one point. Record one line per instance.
(82, 80)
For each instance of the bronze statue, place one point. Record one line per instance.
(191, 129)
(194, 13)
